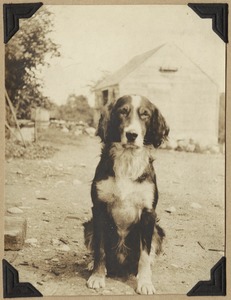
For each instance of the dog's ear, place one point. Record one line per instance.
(159, 128)
(102, 130)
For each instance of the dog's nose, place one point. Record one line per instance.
(131, 136)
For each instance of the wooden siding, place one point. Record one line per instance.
(188, 98)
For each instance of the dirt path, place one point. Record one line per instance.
(54, 195)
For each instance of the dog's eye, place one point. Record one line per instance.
(124, 111)
(144, 114)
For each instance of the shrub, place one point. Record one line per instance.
(15, 149)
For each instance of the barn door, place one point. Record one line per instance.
(105, 97)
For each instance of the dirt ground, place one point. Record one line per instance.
(54, 195)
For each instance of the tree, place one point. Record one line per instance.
(77, 109)
(29, 50)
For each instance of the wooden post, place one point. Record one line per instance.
(7, 126)
(14, 115)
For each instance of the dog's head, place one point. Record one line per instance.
(132, 121)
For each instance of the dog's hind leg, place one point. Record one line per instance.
(144, 276)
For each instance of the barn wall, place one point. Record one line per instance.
(187, 98)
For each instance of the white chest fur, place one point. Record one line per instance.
(125, 199)
(125, 196)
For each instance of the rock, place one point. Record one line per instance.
(182, 145)
(55, 259)
(15, 233)
(190, 148)
(45, 278)
(64, 248)
(214, 149)
(20, 172)
(106, 292)
(175, 266)
(73, 217)
(55, 242)
(171, 144)
(171, 209)
(78, 132)
(25, 207)
(60, 227)
(201, 147)
(195, 205)
(46, 220)
(14, 210)
(90, 131)
(65, 130)
(77, 182)
(13, 204)
(57, 273)
(62, 266)
(59, 183)
(32, 242)
(90, 266)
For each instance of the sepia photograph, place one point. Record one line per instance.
(114, 149)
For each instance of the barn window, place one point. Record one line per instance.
(168, 70)
(105, 97)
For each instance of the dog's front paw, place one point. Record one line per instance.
(96, 281)
(145, 287)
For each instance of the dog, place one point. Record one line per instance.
(124, 193)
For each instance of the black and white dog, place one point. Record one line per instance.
(124, 193)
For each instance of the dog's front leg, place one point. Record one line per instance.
(97, 279)
(144, 276)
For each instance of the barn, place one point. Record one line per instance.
(187, 97)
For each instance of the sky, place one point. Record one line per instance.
(98, 38)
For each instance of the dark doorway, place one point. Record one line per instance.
(105, 97)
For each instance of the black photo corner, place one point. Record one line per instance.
(12, 13)
(12, 288)
(218, 13)
(216, 285)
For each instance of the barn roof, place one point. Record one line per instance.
(134, 63)
(117, 76)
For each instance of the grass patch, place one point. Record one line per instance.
(15, 149)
